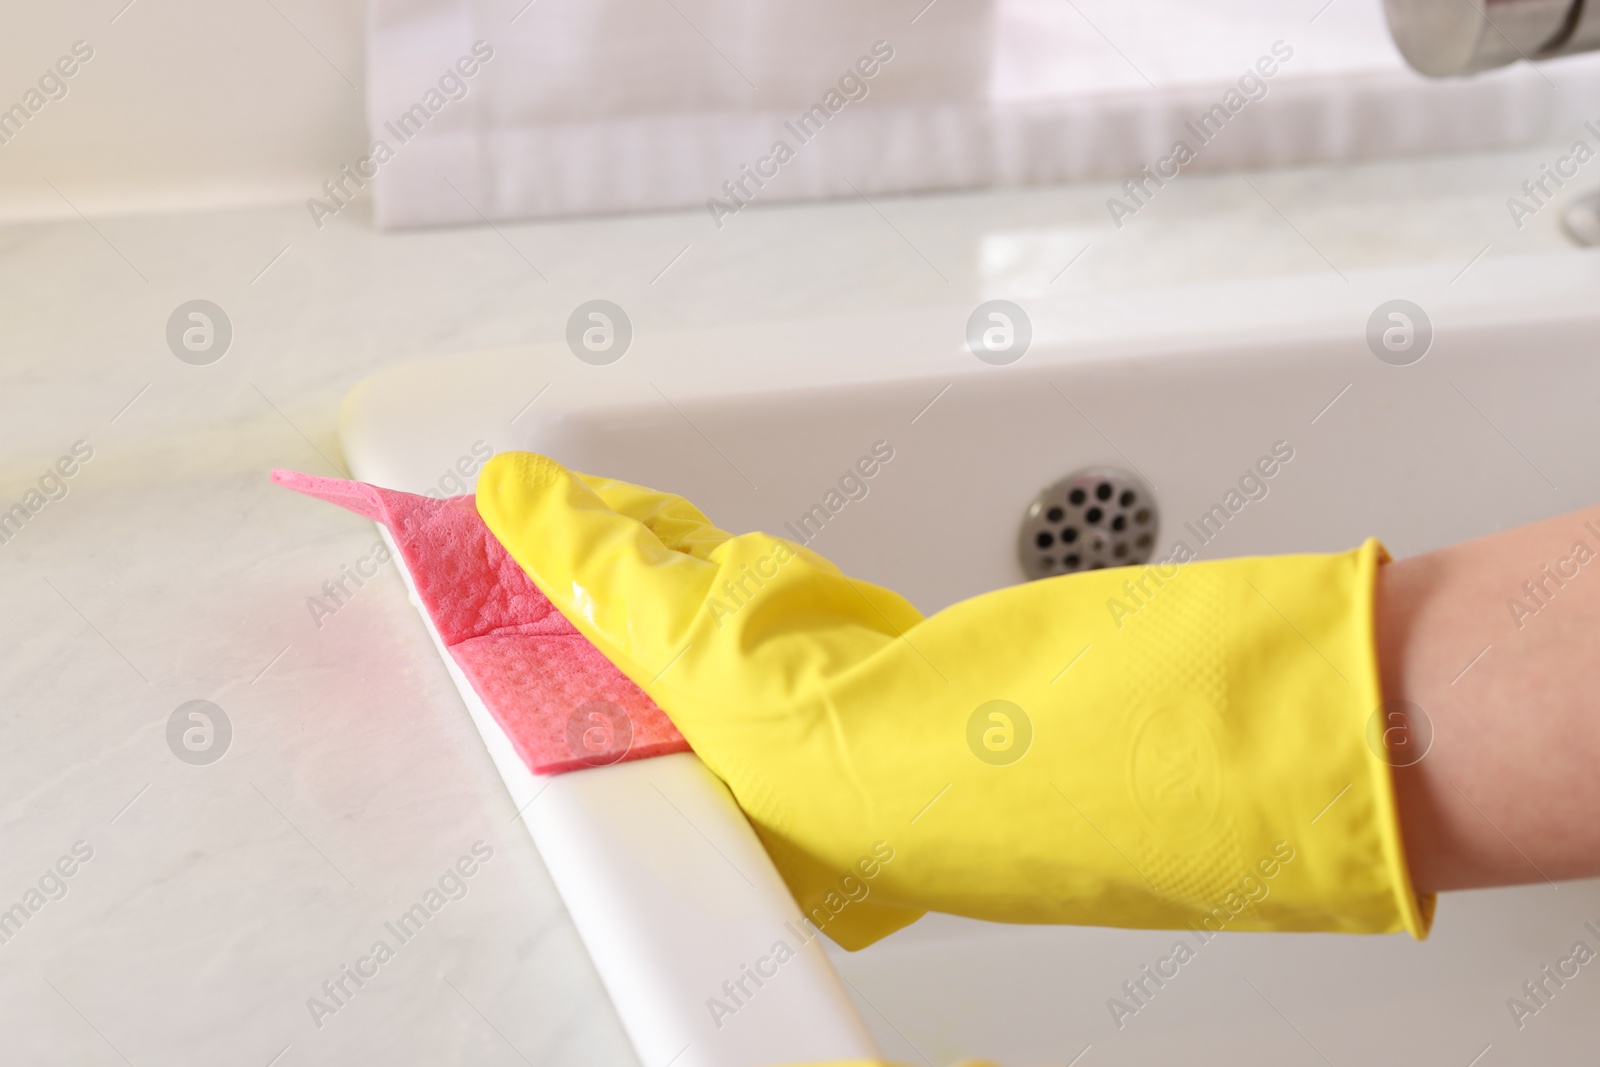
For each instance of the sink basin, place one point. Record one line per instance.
(1493, 426)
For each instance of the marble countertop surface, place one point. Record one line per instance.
(219, 897)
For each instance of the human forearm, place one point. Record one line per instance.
(1509, 791)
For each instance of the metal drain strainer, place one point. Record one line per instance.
(1097, 517)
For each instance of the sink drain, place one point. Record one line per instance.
(1097, 517)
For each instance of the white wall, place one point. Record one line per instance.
(186, 104)
(195, 104)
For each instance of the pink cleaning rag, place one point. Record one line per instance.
(560, 701)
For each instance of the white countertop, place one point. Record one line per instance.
(220, 897)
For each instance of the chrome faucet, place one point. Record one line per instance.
(1442, 38)
(1445, 37)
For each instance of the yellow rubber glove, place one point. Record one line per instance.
(1143, 747)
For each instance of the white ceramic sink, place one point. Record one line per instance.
(1495, 426)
